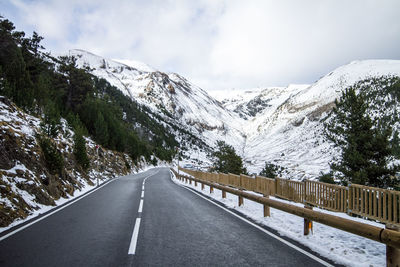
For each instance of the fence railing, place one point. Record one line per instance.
(388, 235)
(290, 190)
(327, 196)
(369, 202)
(375, 203)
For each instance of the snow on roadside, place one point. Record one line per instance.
(339, 246)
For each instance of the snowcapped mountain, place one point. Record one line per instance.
(276, 124)
(283, 124)
(170, 95)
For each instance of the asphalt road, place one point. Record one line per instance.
(177, 228)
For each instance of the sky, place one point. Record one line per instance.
(219, 44)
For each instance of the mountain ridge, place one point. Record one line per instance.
(276, 124)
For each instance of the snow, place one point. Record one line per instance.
(289, 131)
(339, 246)
(274, 124)
(190, 106)
(136, 64)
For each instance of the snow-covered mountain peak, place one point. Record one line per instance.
(136, 65)
(170, 95)
(274, 124)
(327, 88)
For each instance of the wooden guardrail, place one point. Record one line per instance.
(389, 237)
(369, 202)
(327, 196)
(375, 203)
(290, 190)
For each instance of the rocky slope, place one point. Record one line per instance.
(27, 186)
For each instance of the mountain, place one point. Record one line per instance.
(284, 124)
(171, 96)
(276, 124)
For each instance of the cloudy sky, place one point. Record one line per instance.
(220, 44)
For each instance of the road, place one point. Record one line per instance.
(173, 226)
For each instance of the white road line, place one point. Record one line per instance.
(260, 228)
(51, 213)
(135, 235)
(140, 206)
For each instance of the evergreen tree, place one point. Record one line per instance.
(101, 130)
(326, 178)
(53, 157)
(226, 159)
(271, 170)
(79, 83)
(51, 120)
(80, 148)
(365, 146)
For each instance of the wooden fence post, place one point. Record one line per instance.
(392, 254)
(240, 200)
(195, 183)
(308, 224)
(267, 211)
(223, 194)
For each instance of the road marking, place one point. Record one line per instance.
(135, 235)
(57, 210)
(258, 227)
(140, 206)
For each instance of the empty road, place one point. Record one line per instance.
(145, 220)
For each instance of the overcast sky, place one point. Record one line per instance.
(220, 44)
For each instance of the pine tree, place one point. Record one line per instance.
(364, 144)
(226, 159)
(80, 148)
(101, 130)
(271, 170)
(51, 120)
(53, 157)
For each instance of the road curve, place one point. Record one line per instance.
(177, 228)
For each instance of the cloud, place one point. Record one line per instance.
(222, 44)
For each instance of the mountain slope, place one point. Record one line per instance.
(27, 185)
(278, 124)
(169, 95)
(290, 132)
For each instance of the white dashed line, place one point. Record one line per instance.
(135, 234)
(132, 247)
(140, 206)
